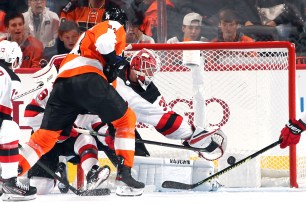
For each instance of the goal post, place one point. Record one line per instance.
(249, 90)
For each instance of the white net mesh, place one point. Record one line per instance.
(245, 90)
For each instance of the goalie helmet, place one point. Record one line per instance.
(11, 53)
(145, 63)
(116, 14)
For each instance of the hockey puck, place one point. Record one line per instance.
(231, 160)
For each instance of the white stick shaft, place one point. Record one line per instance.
(29, 91)
(82, 131)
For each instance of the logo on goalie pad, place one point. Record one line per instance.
(180, 161)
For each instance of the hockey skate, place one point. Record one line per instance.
(61, 170)
(96, 176)
(13, 190)
(126, 184)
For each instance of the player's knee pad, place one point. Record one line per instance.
(126, 124)
(9, 132)
(44, 139)
(44, 185)
(82, 141)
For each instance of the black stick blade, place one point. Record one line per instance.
(96, 192)
(177, 185)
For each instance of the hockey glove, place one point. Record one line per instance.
(107, 140)
(114, 64)
(291, 133)
(211, 139)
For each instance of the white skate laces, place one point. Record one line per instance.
(22, 185)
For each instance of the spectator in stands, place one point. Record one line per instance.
(68, 34)
(86, 14)
(276, 13)
(41, 22)
(150, 21)
(56, 6)
(135, 35)
(208, 9)
(229, 24)
(2, 27)
(32, 48)
(191, 28)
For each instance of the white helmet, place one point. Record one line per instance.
(49, 72)
(146, 64)
(11, 53)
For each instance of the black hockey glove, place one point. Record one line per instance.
(114, 64)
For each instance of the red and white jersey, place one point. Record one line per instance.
(10, 84)
(34, 112)
(150, 108)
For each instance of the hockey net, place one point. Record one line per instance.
(248, 89)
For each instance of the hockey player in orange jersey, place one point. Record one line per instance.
(83, 86)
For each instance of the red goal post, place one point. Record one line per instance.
(248, 90)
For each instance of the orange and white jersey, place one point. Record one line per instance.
(86, 56)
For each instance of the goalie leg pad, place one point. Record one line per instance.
(9, 132)
(43, 185)
(154, 171)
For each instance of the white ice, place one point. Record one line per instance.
(223, 196)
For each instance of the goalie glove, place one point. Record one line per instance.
(291, 133)
(213, 140)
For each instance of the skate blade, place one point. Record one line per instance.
(104, 175)
(14, 197)
(128, 191)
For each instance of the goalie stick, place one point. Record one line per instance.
(29, 91)
(210, 148)
(94, 192)
(184, 186)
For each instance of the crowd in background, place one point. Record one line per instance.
(44, 28)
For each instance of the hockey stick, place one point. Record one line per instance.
(184, 186)
(29, 91)
(208, 149)
(94, 192)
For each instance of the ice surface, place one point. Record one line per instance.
(223, 195)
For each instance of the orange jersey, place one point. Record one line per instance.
(150, 20)
(85, 17)
(86, 56)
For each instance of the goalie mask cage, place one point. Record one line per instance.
(248, 89)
